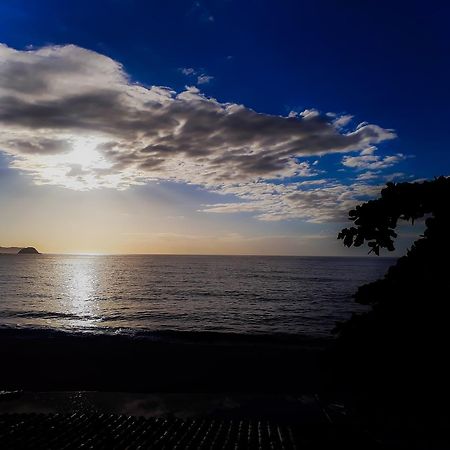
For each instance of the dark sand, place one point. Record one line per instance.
(218, 376)
(36, 361)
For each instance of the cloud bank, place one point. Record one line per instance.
(74, 118)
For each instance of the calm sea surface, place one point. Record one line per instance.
(225, 294)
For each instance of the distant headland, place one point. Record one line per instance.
(28, 251)
(18, 251)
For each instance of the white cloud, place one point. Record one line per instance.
(204, 79)
(309, 113)
(329, 202)
(72, 117)
(343, 121)
(367, 160)
(369, 175)
(378, 175)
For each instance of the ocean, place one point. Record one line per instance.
(164, 295)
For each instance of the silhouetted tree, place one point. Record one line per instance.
(403, 340)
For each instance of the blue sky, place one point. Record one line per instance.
(385, 64)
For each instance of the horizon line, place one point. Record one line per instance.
(206, 254)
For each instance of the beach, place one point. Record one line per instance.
(34, 360)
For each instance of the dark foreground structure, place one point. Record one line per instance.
(55, 431)
(221, 421)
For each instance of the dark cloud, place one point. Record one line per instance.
(41, 146)
(60, 98)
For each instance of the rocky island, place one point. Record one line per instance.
(28, 251)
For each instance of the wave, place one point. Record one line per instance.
(168, 336)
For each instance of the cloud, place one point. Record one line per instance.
(369, 175)
(329, 202)
(40, 146)
(367, 160)
(72, 117)
(204, 79)
(378, 175)
(342, 121)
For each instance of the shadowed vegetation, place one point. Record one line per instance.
(400, 345)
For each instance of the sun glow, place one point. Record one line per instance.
(78, 169)
(84, 154)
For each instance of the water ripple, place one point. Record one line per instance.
(244, 295)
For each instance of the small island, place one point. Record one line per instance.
(28, 251)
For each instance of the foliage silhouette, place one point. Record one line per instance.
(402, 341)
(377, 219)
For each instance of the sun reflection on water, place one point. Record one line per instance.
(80, 291)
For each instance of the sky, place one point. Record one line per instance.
(219, 127)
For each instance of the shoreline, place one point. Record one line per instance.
(37, 360)
(170, 336)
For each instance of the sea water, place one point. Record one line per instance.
(246, 295)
